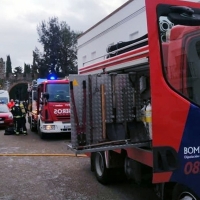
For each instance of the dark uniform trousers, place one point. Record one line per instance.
(19, 119)
(23, 124)
(23, 119)
(17, 122)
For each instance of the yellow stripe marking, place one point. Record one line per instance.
(69, 155)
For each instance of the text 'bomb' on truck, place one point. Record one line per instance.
(145, 121)
(50, 107)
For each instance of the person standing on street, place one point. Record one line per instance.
(11, 104)
(23, 118)
(18, 115)
(25, 106)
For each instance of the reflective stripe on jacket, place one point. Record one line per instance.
(17, 116)
(22, 108)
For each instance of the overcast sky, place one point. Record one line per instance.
(20, 18)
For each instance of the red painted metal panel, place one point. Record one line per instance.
(140, 155)
(169, 110)
(120, 59)
(161, 177)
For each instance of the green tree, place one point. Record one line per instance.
(17, 71)
(39, 68)
(68, 58)
(8, 66)
(60, 49)
(24, 74)
(27, 69)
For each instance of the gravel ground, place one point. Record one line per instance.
(40, 175)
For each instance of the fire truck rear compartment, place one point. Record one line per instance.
(115, 100)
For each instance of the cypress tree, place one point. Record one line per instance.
(8, 66)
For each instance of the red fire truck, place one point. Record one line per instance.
(139, 109)
(50, 107)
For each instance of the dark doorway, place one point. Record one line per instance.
(19, 92)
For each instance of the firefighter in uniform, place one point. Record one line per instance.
(19, 118)
(23, 119)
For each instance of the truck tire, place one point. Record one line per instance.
(101, 172)
(182, 192)
(40, 133)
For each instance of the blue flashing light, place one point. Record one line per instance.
(52, 77)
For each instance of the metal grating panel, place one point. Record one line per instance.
(78, 96)
(123, 99)
(97, 80)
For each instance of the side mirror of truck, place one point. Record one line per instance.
(46, 95)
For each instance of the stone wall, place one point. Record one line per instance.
(2, 69)
(11, 81)
(19, 77)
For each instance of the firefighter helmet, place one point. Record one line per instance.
(17, 101)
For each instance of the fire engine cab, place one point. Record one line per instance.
(50, 107)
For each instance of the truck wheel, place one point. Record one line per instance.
(40, 133)
(101, 172)
(181, 192)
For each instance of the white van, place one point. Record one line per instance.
(4, 96)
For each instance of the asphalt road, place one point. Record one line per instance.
(35, 169)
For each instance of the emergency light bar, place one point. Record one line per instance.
(52, 77)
